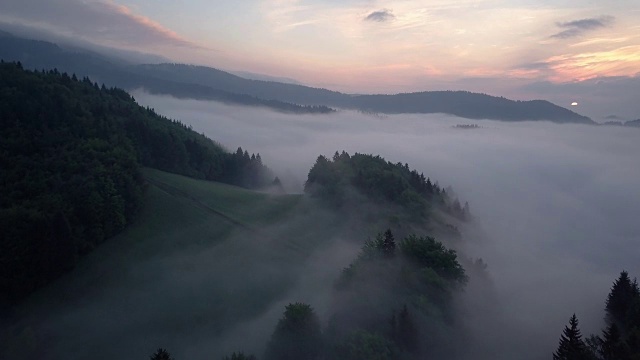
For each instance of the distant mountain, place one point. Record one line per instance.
(219, 79)
(34, 54)
(199, 82)
(254, 76)
(459, 103)
(468, 105)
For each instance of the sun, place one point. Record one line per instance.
(574, 104)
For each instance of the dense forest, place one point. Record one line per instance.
(392, 302)
(333, 180)
(70, 154)
(619, 340)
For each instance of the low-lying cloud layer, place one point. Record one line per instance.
(556, 209)
(557, 204)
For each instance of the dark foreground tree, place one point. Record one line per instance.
(239, 356)
(622, 303)
(612, 346)
(571, 346)
(161, 354)
(297, 335)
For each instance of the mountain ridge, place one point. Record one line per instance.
(207, 83)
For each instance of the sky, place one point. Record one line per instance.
(518, 49)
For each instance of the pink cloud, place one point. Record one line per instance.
(99, 21)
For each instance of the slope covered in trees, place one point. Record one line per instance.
(199, 82)
(70, 158)
(334, 180)
(39, 55)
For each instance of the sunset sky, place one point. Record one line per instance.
(368, 45)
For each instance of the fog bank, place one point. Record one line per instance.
(557, 204)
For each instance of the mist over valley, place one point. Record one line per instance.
(298, 180)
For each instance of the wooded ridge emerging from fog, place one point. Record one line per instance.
(204, 83)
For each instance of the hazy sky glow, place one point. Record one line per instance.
(367, 45)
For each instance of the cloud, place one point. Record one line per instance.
(579, 27)
(99, 21)
(383, 15)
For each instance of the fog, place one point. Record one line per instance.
(556, 206)
(555, 210)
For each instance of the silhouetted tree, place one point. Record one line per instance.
(297, 335)
(161, 354)
(239, 356)
(612, 346)
(571, 346)
(622, 302)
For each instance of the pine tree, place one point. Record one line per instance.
(622, 302)
(161, 354)
(388, 244)
(239, 356)
(571, 346)
(297, 335)
(612, 347)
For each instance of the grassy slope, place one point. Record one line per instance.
(200, 258)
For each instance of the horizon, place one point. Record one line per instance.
(570, 53)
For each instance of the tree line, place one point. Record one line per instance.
(619, 340)
(70, 154)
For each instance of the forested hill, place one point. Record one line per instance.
(469, 105)
(199, 82)
(460, 103)
(382, 182)
(37, 55)
(70, 154)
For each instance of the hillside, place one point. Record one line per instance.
(204, 83)
(71, 153)
(171, 268)
(100, 248)
(468, 105)
(459, 103)
(204, 261)
(38, 55)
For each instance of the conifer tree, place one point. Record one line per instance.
(612, 347)
(388, 244)
(297, 335)
(571, 346)
(239, 356)
(161, 354)
(622, 302)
